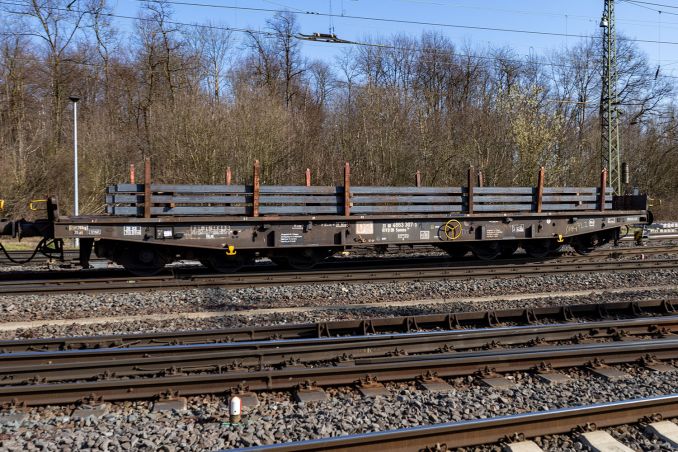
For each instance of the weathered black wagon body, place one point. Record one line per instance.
(227, 226)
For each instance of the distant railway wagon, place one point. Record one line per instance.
(227, 226)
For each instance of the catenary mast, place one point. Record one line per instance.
(610, 143)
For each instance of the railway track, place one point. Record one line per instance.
(20, 368)
(450, 436)
(147, 366)
(384, 325)
(220, 379)
(348, 353)
(87, 281)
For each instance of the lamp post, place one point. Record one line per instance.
(75, 100)
(76, 210)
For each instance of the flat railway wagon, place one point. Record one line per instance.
(227, 226)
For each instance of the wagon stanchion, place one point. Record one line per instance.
(347, 189)
(148, 204)
(481, 179)
(132, 174)
(256, 187)
(308, 177)
(228, 175)
(540, 189)
(603, 189)
(417, 179)
(471, 183)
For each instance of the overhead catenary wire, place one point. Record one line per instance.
(400, 21)
(147, 19)
(430, 52)
(590, 19)
(635, 3)
(663, 5)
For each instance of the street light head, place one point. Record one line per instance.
(74, 98)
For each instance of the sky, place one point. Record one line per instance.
(571, 19)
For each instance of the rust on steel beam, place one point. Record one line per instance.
(540, 189)
(347, 189)
(148, 202)
(477, 432)
(256, 187)
(471, 183)
(603, 188)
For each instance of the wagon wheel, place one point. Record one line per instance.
(486, 251)
(222, 263)
(582, 248)
(538, 249)
(507, 249)
(143, 260)
(455, 251)
(585, 244)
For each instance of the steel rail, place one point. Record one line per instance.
(454, 364)
(261, 279)
(452, 435)
(87, 364)
(446, 321)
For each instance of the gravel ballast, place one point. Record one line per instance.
(63, 306)
(351, 311)
(204, 426)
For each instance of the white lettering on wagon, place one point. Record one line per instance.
(364, 228)
(291, 238)
(493, 233)
(81, 230)
(517, 228)
(210, 232)
(402, 227)
(131, 230)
